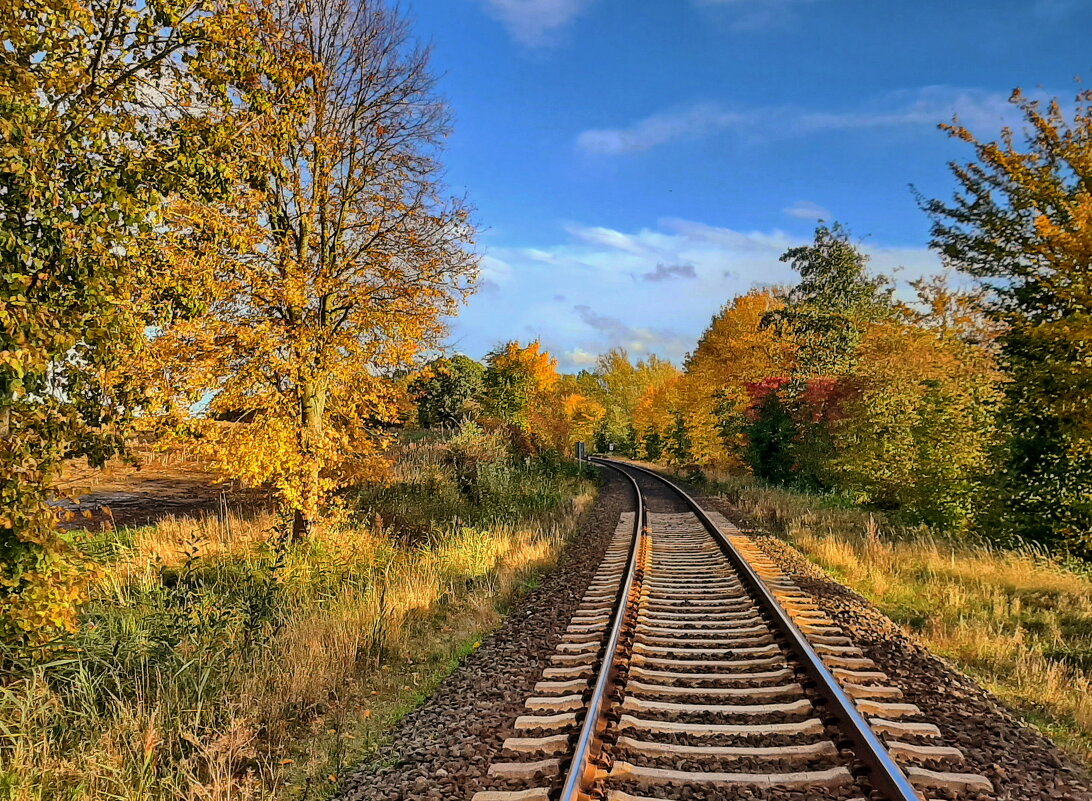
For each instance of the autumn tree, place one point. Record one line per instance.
(915, 426)
(101, 114)
(1021, 222)
(447, 390)
(618, 384)
(953, 311)
(656, 415)
(735, 351)
(330, 264)
(517, 379)
(824, 316)
(584, 416)
(565, 415)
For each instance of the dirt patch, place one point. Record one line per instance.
(120, 494)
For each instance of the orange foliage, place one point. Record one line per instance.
(734, 351)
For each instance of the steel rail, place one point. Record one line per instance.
(582, 773)
(884, 774)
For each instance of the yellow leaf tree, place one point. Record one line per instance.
(104, 108)
(618, 384)
(331, 264)
(735, 350)
(655, 417)
(564, 416)
(517, 380)
(917, 428)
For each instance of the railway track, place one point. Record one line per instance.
(694, 668)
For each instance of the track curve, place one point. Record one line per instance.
(695, 669)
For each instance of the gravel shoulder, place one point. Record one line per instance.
(443, 749)
(1021, 763)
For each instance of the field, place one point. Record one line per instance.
(215, 660)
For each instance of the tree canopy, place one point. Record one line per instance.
(1021, 222)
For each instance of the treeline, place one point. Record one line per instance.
(961, 409)
(834, 385)
(517, 393)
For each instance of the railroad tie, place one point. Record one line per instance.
(702, 657)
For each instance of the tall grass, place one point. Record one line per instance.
(216, 661)
(1018, 620)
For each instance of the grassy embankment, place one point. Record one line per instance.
(1018, 621)
(213, 663)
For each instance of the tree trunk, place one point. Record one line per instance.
(301, 525)
(312, 409)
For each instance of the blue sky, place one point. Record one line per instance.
(636, 163)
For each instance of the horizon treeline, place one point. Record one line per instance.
(967, 408)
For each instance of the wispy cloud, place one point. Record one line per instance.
(588, 292)
(806, 210)
(666, 272)
(927, 106)
(638, 340)
(535, 22)
(684, 123)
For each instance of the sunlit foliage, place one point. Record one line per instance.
(104, 109)
(915, 431)
(1022, 223)
(328, 266)
(518, 378)
(618, 385)
(735, 351)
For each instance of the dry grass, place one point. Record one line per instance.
(216, 664)
(1018, 621)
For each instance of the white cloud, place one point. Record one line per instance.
(926, 107)
(807, 210)
(581, 358)
(690, 122)
(590, 294)
(534, 22)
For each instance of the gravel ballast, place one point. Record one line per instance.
(1021, 763)
(443, 749)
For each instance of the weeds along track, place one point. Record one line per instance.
(694, 668)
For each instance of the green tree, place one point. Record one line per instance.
(827, 311)
(1021, 223)
(770, 433)
(447, 390)
(653, 445)
(678, 445)
(100, 116)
